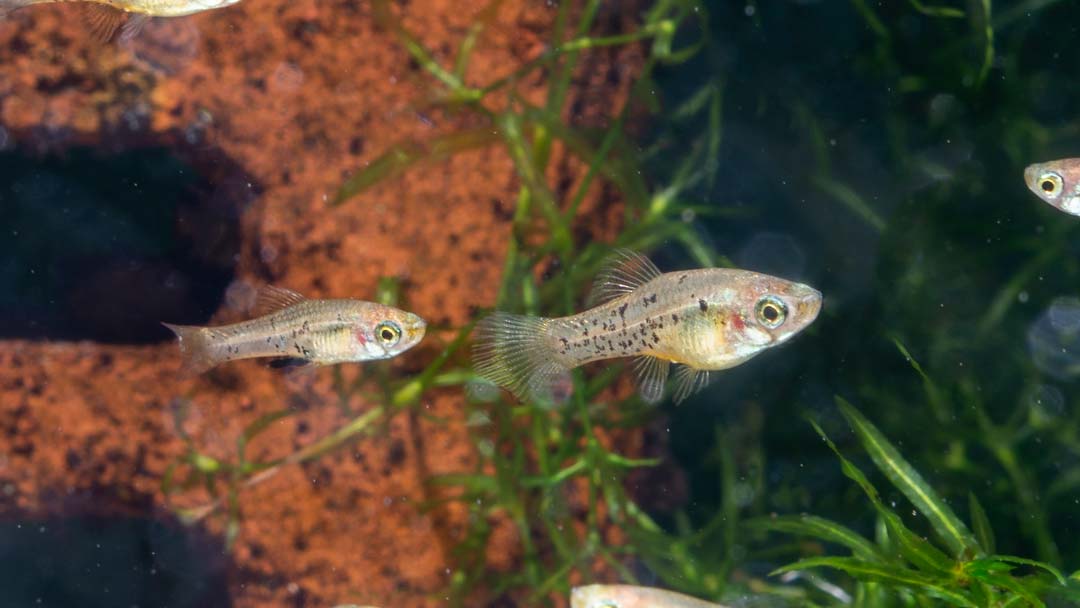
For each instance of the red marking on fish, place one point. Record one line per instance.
(360, 336)
(737, 322)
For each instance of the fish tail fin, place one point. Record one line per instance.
(514, 352)
(195, 343)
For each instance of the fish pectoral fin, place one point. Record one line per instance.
(650, 373)
(102, 20)
(623, 272)
(272, 299)
(133, 26)
(689, 380)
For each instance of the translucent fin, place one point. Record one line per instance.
(135, 24)
(272, 299)
(102, 20)
(6, 6)
(651, 373)
(689, 381)
(622, 273)
(511, 351)
(195, 343)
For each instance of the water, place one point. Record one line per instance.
(874, 152)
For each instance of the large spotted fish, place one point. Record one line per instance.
(310, 332)
(1057, 182)
(700, 320)
(105, 16)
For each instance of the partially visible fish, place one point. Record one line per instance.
(105, 16)
(630, 596)
(701, 320)
(1057, 182)
(310, 332)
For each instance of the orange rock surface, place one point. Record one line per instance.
(297, 96)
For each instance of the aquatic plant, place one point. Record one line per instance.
(908, 215)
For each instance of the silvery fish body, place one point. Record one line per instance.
(631, 596)
(1057, 182)
(702, 320)
(104, 17)
(315, 332)
(153, 8)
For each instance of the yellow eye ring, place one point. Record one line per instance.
(1050, 184)
(771, 312)
(388, 333)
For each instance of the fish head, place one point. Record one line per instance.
(747, 313)
(1057, 182)
(384, 332)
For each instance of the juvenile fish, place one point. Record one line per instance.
(630, 596)
(105, 16)
(1057, 182)
(701, 320)
(310, 332)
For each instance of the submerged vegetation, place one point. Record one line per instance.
(889, 169)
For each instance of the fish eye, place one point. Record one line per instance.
(388, 333)
(771, 311)
(1050, 183)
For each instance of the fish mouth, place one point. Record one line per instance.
(809, 305)
(1030, 174)
(416, 329)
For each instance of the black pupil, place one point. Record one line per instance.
(1048, 186)
(387, 334)
(771, 313)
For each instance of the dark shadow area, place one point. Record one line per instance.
(109, 562)
(105, 247)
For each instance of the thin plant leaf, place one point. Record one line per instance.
(822, 529)
(405, 155)
(906, 479)
(889, 574)
(983, 532)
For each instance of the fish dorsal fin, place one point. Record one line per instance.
(622, 273)
(651, 373)
(688, 381)
(135, 24)
(272, 299)
(102, 20)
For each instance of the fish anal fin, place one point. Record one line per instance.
(272, 299)
(623, 272)
(689, 380)
(135, 24)
(102, 20)
(650, 373)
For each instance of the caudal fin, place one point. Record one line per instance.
(194, 348)
(514, 352)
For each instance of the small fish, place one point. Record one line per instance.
(308, 332)
(630, 596)
(1056, 182)
(105, 16)
(701, 320)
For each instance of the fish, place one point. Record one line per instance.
(631, 596)
(700, 320)
(302, 332)
(1057, 182)
(104, 17)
